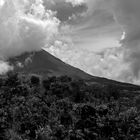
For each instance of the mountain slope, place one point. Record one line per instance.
(45, 64)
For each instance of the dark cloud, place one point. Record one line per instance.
(65, 10)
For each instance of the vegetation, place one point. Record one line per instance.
(60, 108)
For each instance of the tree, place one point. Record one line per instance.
(12, 80)
(35, 80)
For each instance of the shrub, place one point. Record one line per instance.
(35, 80)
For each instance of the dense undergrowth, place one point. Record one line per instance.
(65, 109)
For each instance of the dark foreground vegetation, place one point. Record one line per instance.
(65, 109)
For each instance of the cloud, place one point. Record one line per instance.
(127, 15)
(5, 67)
(25, 26)
(91, 5)
(76, 2)
(1, 2)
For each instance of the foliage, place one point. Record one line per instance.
(60, 108)
(35, 80)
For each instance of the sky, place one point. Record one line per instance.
(100, 37)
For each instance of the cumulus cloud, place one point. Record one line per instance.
(4, 67)
(25, 26)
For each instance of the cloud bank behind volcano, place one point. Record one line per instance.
(25, 26)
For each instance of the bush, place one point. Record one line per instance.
(59, 110)
(35, 80)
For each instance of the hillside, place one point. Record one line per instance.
(45, 64)
(60, 108)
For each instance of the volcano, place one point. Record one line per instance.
(45, 64)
